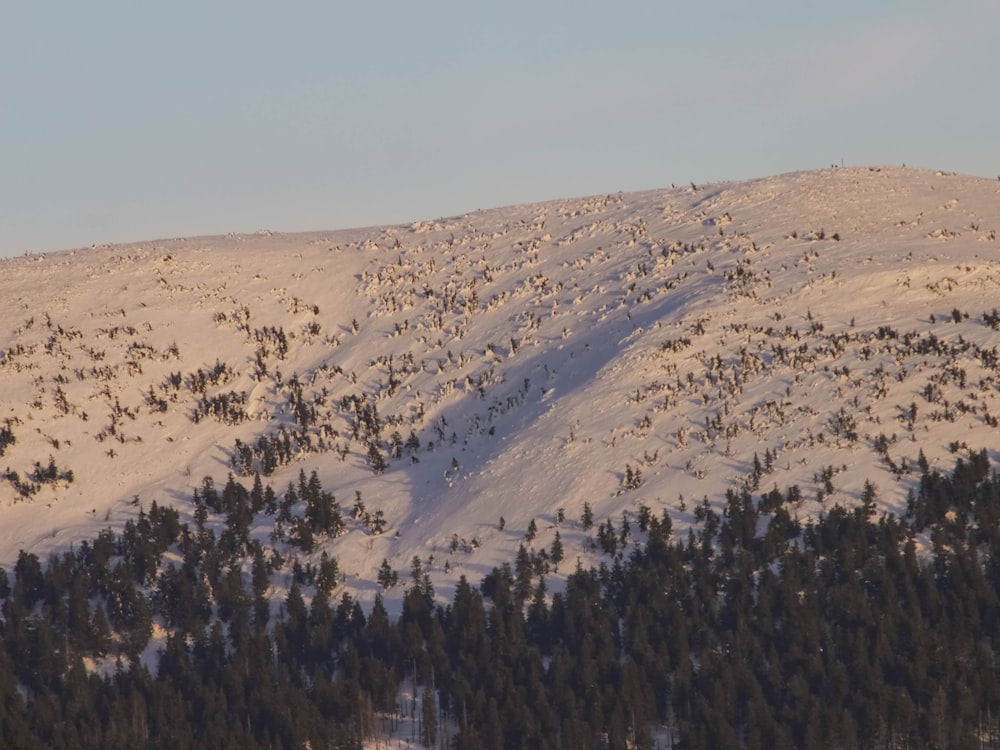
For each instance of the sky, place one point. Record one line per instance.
(130, 121)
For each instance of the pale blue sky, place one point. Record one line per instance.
(132, 120)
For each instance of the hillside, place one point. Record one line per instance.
(704, 467)
(816, 329)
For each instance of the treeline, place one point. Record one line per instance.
(753, 630)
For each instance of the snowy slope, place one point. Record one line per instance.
(620, 350)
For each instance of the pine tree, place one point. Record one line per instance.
(524, 574)
(375, 459)
(428, 718)
(557, 552)
(868, 497)
(257, 494)
(529, 535)
(387, 577)
(326, 576)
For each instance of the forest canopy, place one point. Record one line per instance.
(753, 630)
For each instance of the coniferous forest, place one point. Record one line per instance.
(752, 630)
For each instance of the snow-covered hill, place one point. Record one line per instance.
(817, 329)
